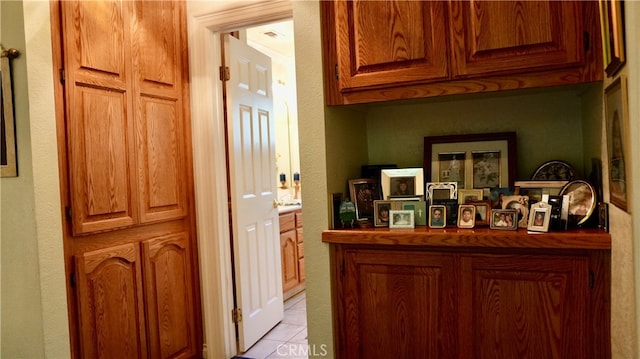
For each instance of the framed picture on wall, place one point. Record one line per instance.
(616, 115)
(613, 41)
(8, 163)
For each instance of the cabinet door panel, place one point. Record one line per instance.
(399, 305)
(100, 134)
(524, 306)
(289, 254)
(390, 42)
(111, 313)
(494, 36)
(169, 288)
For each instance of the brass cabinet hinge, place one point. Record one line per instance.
(236, 314)
(61, 72)
(224, 73)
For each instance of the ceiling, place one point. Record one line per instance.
(275, 39)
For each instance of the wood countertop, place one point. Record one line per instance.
(589, 239)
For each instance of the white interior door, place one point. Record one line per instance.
(252, 171)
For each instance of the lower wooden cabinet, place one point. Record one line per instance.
(135, 300)
(408, 302)
(292, 253)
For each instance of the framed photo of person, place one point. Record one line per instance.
(483, 212)
(437, 216)
(466, 216)
(503, 219)
(401, 219)
(363, 192)
(381, 209)
(539, 217)
(402, 183)
(521, 205)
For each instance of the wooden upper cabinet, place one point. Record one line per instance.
(98, 112)
(389, 50)
(382, 42)
(494, 36)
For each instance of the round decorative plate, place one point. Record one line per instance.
(553, 171)
(582, 199)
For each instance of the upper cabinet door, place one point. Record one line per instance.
(390, 42)
(498, 36)
(98, 112)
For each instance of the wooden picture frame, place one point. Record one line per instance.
(8, 160)
(617, 124)
(613, 37)
(364, 191)
(482, 169)
(381, 210)
(483, 212)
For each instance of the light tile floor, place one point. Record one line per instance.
(289, 338)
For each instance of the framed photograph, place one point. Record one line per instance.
(419, 209)
(452, 210)
(381, 209)
(497, 194)
(521, 205)
(8, 163)
(582, 200)
(466, 216)
(539, 217)
(504, 219)
(441, 190)
(616, 115)
(466, 195)
(401, 219)
(553, 171)
(483, 212)
(603, 216)
(336, 199)
(536, 189)
(363, 192)
(437, 216)
(612, 22)
(472, 161)
(402, 182)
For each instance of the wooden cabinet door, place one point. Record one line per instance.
(398, 304)
(514, 36)
(289, 254)
(160, 123)
(169, 289)
(100, 136)
(111, 309)
(382, 43)
(517, 306)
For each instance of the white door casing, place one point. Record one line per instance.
(252, 171)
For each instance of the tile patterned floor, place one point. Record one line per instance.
(289, 338)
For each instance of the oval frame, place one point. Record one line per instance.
(553, 167)
(589, 203)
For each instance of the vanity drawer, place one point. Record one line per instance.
(287, 222)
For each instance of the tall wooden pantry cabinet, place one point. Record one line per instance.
(127, 187)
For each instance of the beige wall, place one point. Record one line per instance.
(34, 308)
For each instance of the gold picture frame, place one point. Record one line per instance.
(616, 115)
(613, 42)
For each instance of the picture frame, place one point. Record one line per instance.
(537, 189)
(441, 190)
(419, 211)
(452, 210)
(402, 182)
(554, 170)
(603, 216)
(335, 200)
(8, 158)
(503, 219)
(617, 130)
(521, 205)
(437, 216)
(466, 195)
(613, 39)
(401, 219)
(539, 217)
(363, 192)
(483, 212)
(489, 159)
(466, 216)
(497, 194)
(381, 210)
(582, 200)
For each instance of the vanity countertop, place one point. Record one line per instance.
(289, 208)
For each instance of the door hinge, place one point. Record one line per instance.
(236, 314)
(225, 75)
(72, 279)
(61, 73)
(336, 69)
(586, 41)
(67, 212)
(592, 280)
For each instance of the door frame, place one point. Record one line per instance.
(209, 153)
